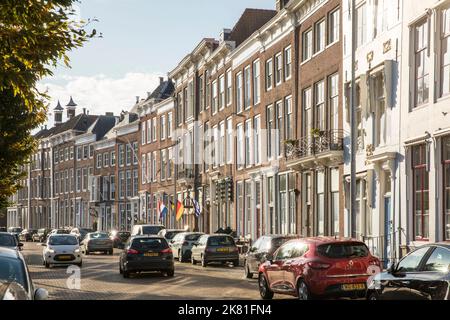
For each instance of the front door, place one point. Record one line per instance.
(387, 231)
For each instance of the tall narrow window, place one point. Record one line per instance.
(420, 192)
(333, 26)
(149, 131)
(320, 36)
(154, 129)
(257, 139)
(190, 104)
(143, 131)
(256, 82)
(320, 189)
(445, 52)
(269, 74)
(240, 145)
(278, 68)
(201, 93)
(307, 45)
(144, 170)
(248, 143)
(319, 105)
(239, 96)
(215, 98)
(222, 143)
(280, 133)
(334, 173)
(269, 129)
(287, 63)
(207, 91)
(169, 125)
(361, 25)
(163, 161)
(288, 119)
(333, 86)
(422, 79)
(307, 115)
(247, 88)
(230, 140)
(229, 93)
(446, 170)
(221, 92)
(162, 127)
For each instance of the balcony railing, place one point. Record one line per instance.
(314, 144)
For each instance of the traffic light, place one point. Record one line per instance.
(229, 186)
(223, 190)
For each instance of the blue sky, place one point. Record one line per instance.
(142, 40)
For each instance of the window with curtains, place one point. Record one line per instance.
(215, 99)
(319, 36)
(333, 85)
(144, 169)
(248, 143)
(421, 192)
(229, 91)
(421, 64)
(319, 106)
(240, 145)
(201, 93)
(280, 133)
(221, 92)
(239, 96)
(269, 74)
(230, 140)
(247, 87)
(445, 52)
(270, 127)
(307, 45)
(256, 82)
(289, 126)
(287, 63)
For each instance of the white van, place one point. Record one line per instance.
(150, 229)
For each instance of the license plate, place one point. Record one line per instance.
(65, 257)
(151, 254)
(223, 250)
(353, 287)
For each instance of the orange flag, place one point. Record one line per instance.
(180, 210)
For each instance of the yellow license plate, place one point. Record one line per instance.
(223, 250)
(151, 254)
(353, 287)
(64, 257)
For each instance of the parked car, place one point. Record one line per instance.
(13, 269)
(61, 249)
(182, 243)
(170, 233)
(215, 248)
(15, 230)
(119, 238)
(146, 253)
(96, 242)
(149, 229)
(9, 240)
(11, 290)
(27, 235)
(41, 235)
(262, 248)
(424, 274)
(317, 267)
(81, 233)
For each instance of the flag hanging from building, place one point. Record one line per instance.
(196, 207)
(180, 210)
(162, 210)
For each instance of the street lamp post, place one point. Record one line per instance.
(353, 136)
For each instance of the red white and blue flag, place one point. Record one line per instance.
(162, 210)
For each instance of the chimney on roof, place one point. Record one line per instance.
(281, 4)
(84, 110)
(225, 35)
(161, 80)
(45, 127)
(137, 99)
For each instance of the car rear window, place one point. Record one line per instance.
(221, 241)
(62, 241)
(343, 250)
(151, 229)
(15, 229)
(7, 240)
(62, 231)
(13, 270)
(99, 236)
(149, 244)
(192, 237)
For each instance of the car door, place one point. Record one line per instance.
(431, 281)
(175, 244)
(293, 264)
(252, 253)
(275, 272)
(396, 285)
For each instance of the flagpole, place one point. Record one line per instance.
(353, 127)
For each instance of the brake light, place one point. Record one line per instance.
(168, 251)
(318, 265)
(132, 251)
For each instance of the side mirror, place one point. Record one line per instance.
(40, 294)
(392, 269)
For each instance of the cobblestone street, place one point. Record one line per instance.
(100, 279)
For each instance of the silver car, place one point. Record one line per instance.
(182, 244)
(97, 242)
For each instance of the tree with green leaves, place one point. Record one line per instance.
(35, 37)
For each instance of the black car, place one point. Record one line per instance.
(9, 240)
(146, 253)
(424, 274)
(27, 235)
(119, 238)
(262, 249)
(13, 269)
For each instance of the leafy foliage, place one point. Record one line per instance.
(35, 36)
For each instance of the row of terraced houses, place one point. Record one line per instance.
(255, 126)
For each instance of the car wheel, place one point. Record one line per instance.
(204, 262)
(303, 291)
(193, 260)
(170, 273)
(248, 274)
(264, 289)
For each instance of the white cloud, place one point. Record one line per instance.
(100, 93)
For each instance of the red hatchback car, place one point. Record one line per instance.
(318, 267)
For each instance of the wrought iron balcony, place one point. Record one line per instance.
(315, 145)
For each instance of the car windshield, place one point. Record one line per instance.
(15, 230)
(221, 241)
(151, 229)
(62, 241)
(343, 250)
(7, 240)
(143, 244)
(277, 242)
(192, 237)
(13, 270)
(62, 231)
(41, 231)
(99, 236)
